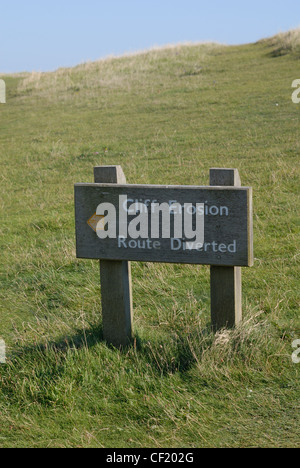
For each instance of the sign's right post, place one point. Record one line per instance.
(225, 282)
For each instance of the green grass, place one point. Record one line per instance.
(166, 116)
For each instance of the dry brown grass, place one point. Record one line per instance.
(109, 74)
(285, 43)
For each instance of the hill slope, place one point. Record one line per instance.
(166, 116)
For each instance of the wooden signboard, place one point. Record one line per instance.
(118, 223)
(227, 214)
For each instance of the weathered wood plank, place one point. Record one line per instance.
(226, 177)
(227, 238)
(226, 281)
(226, 296)
(109, 175)
(115, 278)
(116, 299)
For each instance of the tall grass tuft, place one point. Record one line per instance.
(285, 43)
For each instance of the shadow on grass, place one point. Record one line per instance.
(178, 353)
(165, 352)
(86, 338)
(277, 52)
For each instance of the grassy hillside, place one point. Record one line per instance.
(166, 116)
(284, 44)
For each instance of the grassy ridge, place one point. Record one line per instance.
(284, 44)
(166, 116)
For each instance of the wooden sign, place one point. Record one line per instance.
(173, 224)
(117, 223)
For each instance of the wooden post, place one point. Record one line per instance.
(225, 282)
(115, 277)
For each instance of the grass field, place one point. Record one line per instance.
(166, 116)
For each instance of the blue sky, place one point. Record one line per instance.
(43, 35)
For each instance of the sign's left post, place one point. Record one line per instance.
(115, 278)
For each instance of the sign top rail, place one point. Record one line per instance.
(156, 186)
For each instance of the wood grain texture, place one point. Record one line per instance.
(226, 177)
(115, 278)
(231, 231)
(226, 296)
(116, 298)
(226, 282)
(109, 175)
